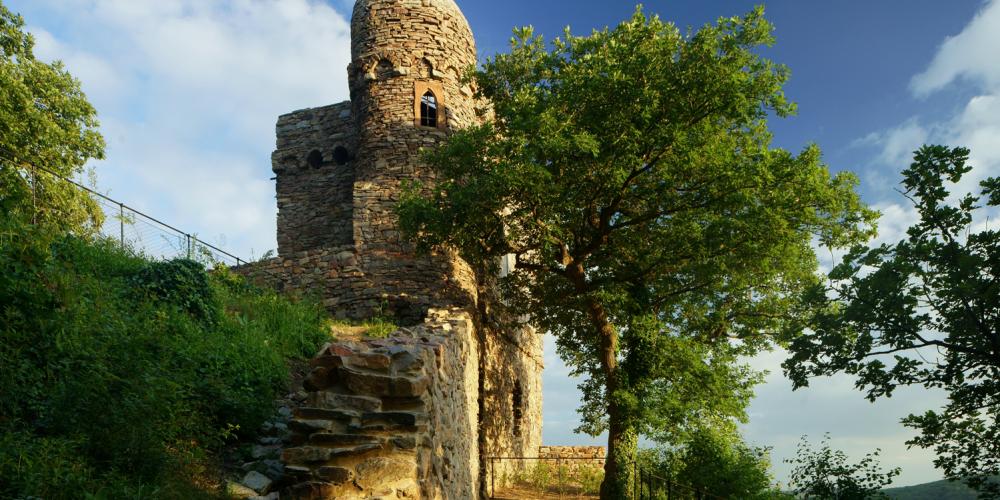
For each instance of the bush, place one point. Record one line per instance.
(181, 282)
(121, 377)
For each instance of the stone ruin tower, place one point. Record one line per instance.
(417, 414)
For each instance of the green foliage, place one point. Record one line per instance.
(826, 474)
(113, 393)
(181, 282)
(45, 121)
(923, 311)
(590, 479)
(545, 476)
(716, 461)
(656, 232)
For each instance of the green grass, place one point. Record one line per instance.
(376, 328)
(122, 377)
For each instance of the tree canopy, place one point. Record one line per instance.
(923, 311)
(655, 231)
(45, 122)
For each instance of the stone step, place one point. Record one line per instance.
(334, 401)
(329, 439)
(382, 385)
(317, 454)
(307, 426)
(391, 421)
(311, 413)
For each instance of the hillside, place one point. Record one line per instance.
(937, 490)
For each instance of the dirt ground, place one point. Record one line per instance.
(520, 492)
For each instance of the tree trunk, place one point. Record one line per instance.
(621, 439)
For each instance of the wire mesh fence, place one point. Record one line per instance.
(143, 234)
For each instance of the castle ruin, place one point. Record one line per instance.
(418, 414)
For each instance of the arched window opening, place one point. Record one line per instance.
(315, 159)
(517, 403)
(384, 69)
(340, 155)
(428, 110)
(426, 69)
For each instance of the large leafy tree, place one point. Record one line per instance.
(923, 311)
(45, 123)
(655, 231)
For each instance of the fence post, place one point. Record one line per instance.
(121, 224)
(559, 474)
(493, 477)
(635, 477)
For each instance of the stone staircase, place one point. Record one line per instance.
(364, 430)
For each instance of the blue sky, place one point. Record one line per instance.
(188, 92)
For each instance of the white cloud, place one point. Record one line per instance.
(899, 143)
(971, 55)
(188, 92)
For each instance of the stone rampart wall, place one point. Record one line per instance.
(360, 286)
(573, 457)
(511, 421)
(391, 418)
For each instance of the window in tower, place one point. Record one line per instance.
(341, 156)
(315, 159)
(428, 110)
(426, 69)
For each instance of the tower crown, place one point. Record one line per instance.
(396, 27)
(415, 39)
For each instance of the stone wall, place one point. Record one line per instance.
(360, 286)
(573, 457)
(399, 47)
(390, 418)
(511, 419)
(314, 167)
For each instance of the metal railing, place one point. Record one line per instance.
(143, 234)
(649, 486)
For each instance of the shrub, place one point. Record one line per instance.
(181, 282)
(121, 376)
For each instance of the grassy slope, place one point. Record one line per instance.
(124, 377)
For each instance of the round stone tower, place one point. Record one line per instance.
(408, 57)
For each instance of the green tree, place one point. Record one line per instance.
(826, 474)
(45, 121)
(655, 231)
(716, 460)
(923, 311)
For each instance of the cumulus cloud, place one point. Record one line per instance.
(969, 55)
(188, 93)
(965, 62)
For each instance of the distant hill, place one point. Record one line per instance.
(938, 490)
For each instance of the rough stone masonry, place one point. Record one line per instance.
(416, 415)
